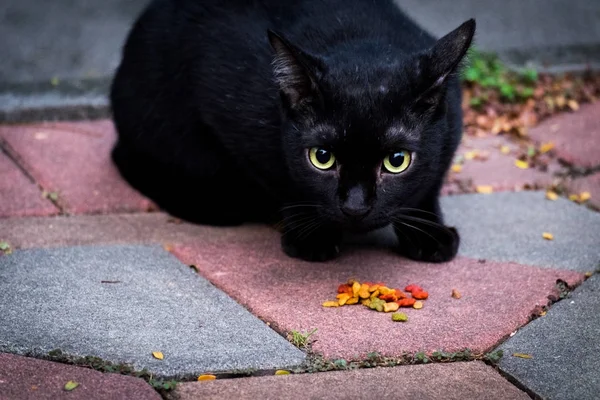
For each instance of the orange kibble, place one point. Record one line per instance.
(412, 288)
(344, 288)
(391, 307)
(385, 290)
(408, 302)
(343, 298)
(388, 297)
(206, 377)
(355, 288)
(352, 300)
(420, 295)
(374, 287)
(399, 294)
(363, 292)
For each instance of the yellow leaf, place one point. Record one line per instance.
(548, 236)
(521, 164)
(522, 355)
(71, 385)
(456, 168)
(158, 355)
(584, 196)
(550, 195)
(573, 105)
(504, 149)
(282, 372)
(484, 189)
(206, 378)
(469, 155)
(546, 147)
(573, 197)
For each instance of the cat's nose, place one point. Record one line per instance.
(355, 211)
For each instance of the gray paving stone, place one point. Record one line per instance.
(55, 299)
(557, 34)
(564, 346)
(508, 227)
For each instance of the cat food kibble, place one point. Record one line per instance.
(378, 297)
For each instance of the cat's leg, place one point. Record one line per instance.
(209, 199)
(304, 237)
(423, 236)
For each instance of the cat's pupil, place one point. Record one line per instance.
(323, 156)
(397, 159)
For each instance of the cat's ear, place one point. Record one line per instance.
(295, 72)
(445, 57)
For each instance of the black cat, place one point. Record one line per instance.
(333, 115)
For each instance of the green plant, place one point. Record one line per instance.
(300, 339)
(491, 75)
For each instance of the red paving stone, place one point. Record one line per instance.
(498, 170)
(27, 378)
(73, 159)
(456, 381)
(576, 135)
(19, 196)
(590, 183)
(497, 297)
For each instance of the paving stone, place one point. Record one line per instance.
(20, 196)
(564, 348)
(56, 299)
(509, 227)
(497, 297)
(460, 381)
(73, 159)
(159, 228)
(590, 183)
(497, 170)
(576, 135)
(27, 378)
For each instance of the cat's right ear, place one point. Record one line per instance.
(295, 72)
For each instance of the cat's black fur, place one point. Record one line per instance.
(217, 104)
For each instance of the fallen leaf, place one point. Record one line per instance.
(484, 189)
(5, 247)
(282, 372)
(456, 294)
(521, 164)
(456, 168)
(573, 105)
(550, 195)
(206, 378)
(548, 236)
(546, 147)
(584, 196)
(158, 355)
(522, 355)
(71, 385)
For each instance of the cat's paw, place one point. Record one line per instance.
(310, 250)
(441, 249)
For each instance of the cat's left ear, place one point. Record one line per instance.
(295, 72)
(445, 57)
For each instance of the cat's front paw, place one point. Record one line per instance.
(434, 249)
(310, 250)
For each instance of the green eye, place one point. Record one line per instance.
(321, 158)
(397, 162)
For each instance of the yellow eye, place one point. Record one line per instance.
(397, 162)
(321, 158)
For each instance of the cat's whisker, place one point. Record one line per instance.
(420, 230)
(398, 229)
(416, 209)
(427, 222)
(308, 231)
(300, 205)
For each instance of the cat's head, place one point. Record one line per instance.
(367, 132)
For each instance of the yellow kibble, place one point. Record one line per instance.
(548, 236)
(521, 164)
(418, 305)
(550, 195)
(584, 196)
(332, 303)
(486, 189)
(456, 168)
